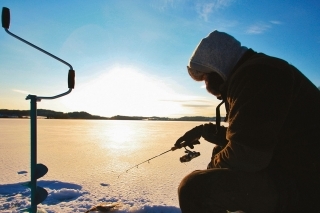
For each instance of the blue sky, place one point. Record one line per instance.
(130, 57)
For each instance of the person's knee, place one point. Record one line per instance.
(199, 190)
(199, 182)
(188, 184)
(190, 192)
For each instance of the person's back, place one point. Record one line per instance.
(288, 109)
(299, 140)
(298, 150)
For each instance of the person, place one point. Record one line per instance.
(268, 157)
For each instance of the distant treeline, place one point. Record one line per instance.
(154, 118)
(50, 114)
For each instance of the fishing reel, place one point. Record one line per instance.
(189, 156)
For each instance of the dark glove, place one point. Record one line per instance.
(209, 134)
(190, 138)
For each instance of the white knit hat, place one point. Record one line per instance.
(218, 52)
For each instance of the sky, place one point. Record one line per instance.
(130, 57)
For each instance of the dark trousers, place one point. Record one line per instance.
(219, 190)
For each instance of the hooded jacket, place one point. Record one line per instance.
(273, 110)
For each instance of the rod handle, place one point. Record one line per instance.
(5, 17)
(174, 148)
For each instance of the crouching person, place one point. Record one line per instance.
(267, 159)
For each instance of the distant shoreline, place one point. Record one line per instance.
(50, 114)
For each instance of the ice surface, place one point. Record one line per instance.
(85, 159)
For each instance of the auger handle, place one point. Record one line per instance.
(71, 79)
(71, 75)
(5, 18)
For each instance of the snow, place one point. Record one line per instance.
(87, 163)
(71, 197)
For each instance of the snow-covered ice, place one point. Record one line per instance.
(87, 163)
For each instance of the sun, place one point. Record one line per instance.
(125, 90)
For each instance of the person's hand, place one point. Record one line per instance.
(190, 138)
(209, 134)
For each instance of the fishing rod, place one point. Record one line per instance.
(186, 158)
(189, 154)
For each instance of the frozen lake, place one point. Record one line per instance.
(85, 159)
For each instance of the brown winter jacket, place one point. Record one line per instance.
(274, 118)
